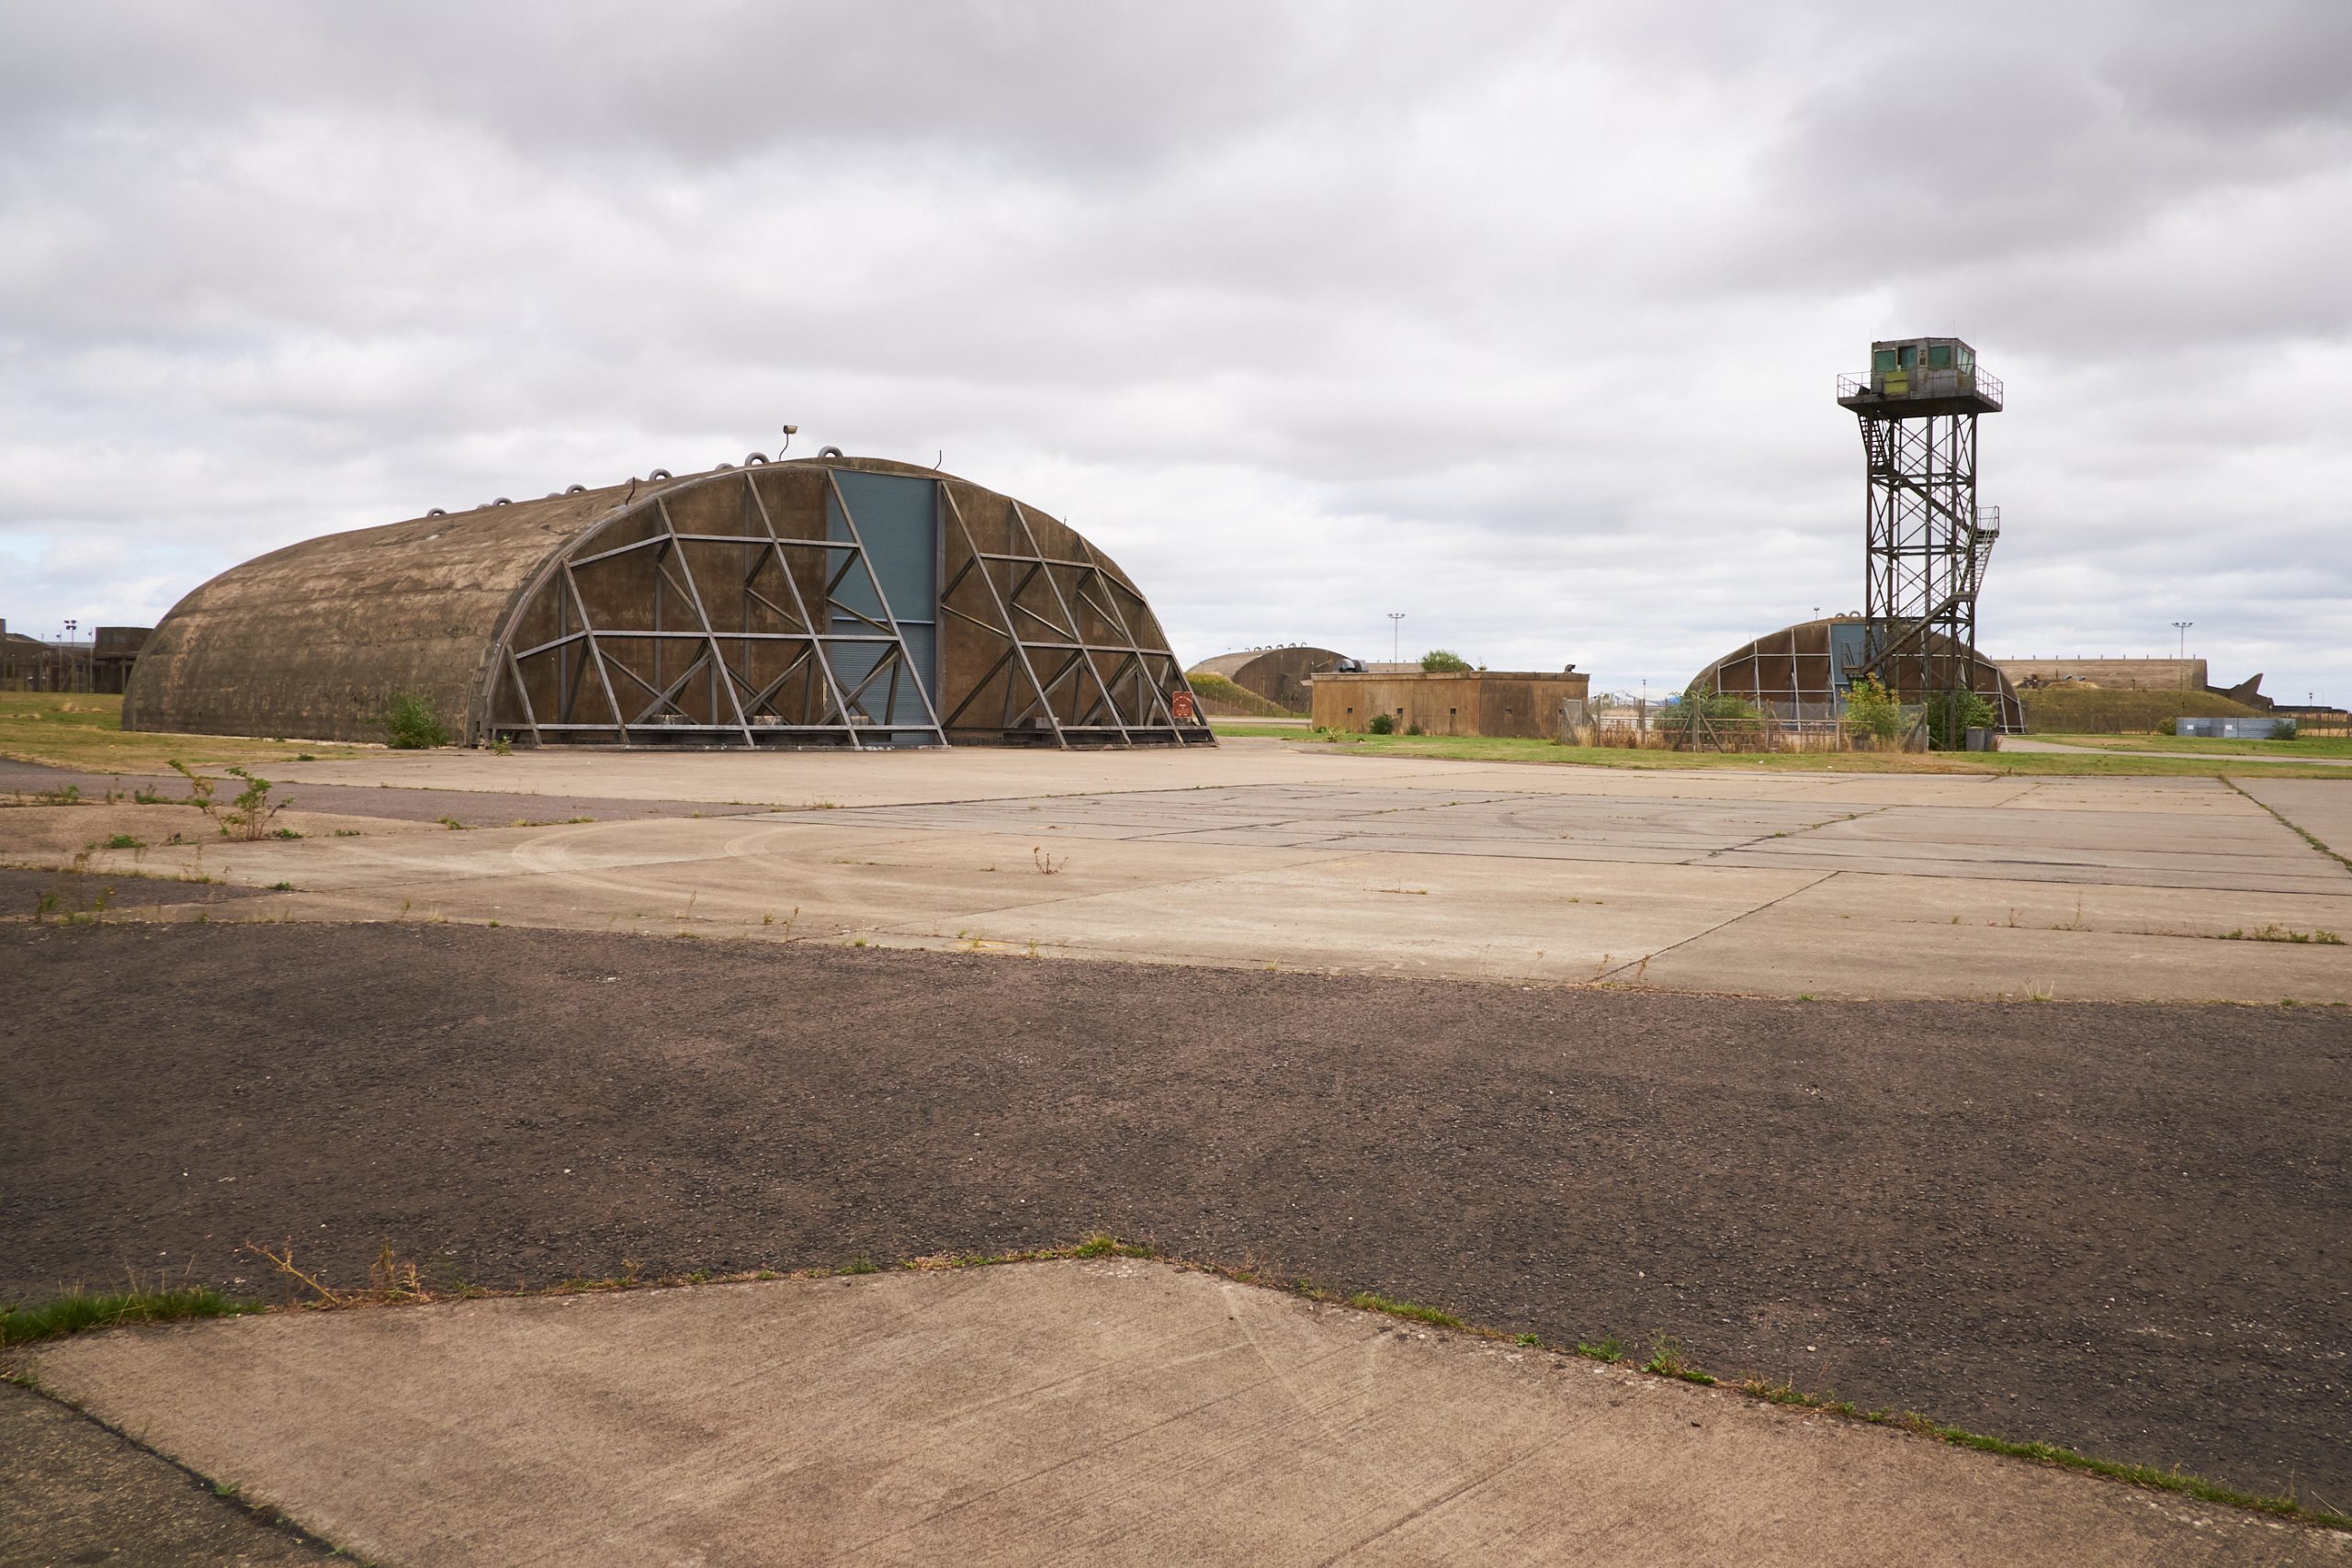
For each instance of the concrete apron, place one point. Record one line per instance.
(1853, 886)
(1104, 1411)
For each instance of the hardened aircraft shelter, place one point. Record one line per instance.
(1801, 673)
(830, 602)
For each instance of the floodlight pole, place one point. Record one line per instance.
(1396, 637)
(2182, 627)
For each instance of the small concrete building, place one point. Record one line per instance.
(104, 664)
(114, 655)
(1521, 702)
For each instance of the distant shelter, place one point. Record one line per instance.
(1281, 675)
(1801, 673)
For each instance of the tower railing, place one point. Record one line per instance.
(1930, 383)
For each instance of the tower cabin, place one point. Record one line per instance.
(1918, 377)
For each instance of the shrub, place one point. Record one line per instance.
(1442, 662)
(1382, 723)
(1873, 710)
(2167, 726)
(410, 725)
(2286, 730)
(1695, 703)
(1951, 715)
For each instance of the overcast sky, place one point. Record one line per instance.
(1523, 320)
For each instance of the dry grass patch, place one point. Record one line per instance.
(84, 731)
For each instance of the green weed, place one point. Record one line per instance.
(411, 724)
(1368, 1301)
(76, 1311)
(2280, 933)
(1667, 1360)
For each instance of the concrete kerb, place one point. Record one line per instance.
(86, 1374)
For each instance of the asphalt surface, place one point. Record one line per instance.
(76, 1492)
(26, 891)
(2121, 1229)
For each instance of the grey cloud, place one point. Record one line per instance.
(1521, 318)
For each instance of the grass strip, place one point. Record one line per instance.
(76, 1312)
(2201, 746)
(84, 730)
(2022, 764)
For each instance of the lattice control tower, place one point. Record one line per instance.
(1929, 539)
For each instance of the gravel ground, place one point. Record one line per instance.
(2121, 1229)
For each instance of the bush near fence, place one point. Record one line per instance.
(1667, 731)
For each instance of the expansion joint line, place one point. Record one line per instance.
(1808, 828)
(2285, 821)
(1700, 936)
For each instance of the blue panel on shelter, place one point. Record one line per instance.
(897, 521)
(1850, 649)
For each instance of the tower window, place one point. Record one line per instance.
(1939, 356)
(1883, 359)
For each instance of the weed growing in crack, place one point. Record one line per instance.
(1667, 1360)
(2280, 933)
(1366, 1301)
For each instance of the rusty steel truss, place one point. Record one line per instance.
(1035, 610)
(745, 609)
